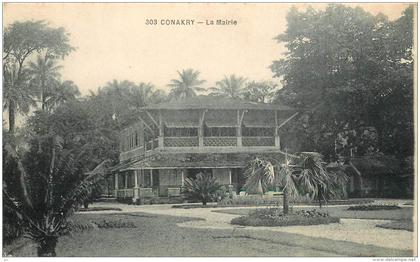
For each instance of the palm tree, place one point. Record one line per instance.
(51, 185)
(259, 176)
(61, 92)
(316, 181)
(187, 85)
(298, 175)
(231, 86)
(17, 95)
(44, 75)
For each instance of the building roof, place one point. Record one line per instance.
(216, 102)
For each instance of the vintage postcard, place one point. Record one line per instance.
(209, 130)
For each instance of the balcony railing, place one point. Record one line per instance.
(220, 141)
(193, 141)
(258, 141)
(181, 141)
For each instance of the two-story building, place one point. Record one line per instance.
(178, 139)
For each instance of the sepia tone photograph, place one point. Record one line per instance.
(209, 130)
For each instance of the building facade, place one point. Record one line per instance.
(176, 140)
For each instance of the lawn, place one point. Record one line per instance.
(159, 235)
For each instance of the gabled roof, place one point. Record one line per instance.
(216, 102)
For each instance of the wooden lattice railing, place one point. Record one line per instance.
(220, 141)
(181, 141)
(258, 141)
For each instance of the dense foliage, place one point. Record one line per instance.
(351, 73)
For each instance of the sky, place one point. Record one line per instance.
(114, 42)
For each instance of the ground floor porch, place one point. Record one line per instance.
(169, 182)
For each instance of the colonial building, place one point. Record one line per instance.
(178, 139)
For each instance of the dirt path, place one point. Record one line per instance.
(360, 231)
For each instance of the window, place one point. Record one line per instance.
(220, 131)
(180, 131)
(257, 131)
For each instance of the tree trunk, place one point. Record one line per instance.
(204, 202)
(46, 246)
(320, 198)
(285, 201)
(12, 115)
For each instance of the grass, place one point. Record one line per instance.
(272, 217)
(399, 225)
(373, 207)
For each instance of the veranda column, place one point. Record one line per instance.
(116, 185)
(230, 183)
(201, 130)
(151, 178)
(276, 132)
(239, 130)
(182, 178)
(136, 187)
(125, 183)
(161, 131)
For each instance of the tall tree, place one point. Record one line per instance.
(17, 96)
(346, 70)
(232, 87)
(21, 41)
(187, 85)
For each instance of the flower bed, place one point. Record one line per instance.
(275, 217)
(399, 225)
(373, 207)
(99, 209)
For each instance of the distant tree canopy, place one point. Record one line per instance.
(349, 71)
(230, 86)
(21, 41)
(262, 92)
(116, 103)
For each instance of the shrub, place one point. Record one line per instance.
(204, 188)
(373, 207)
